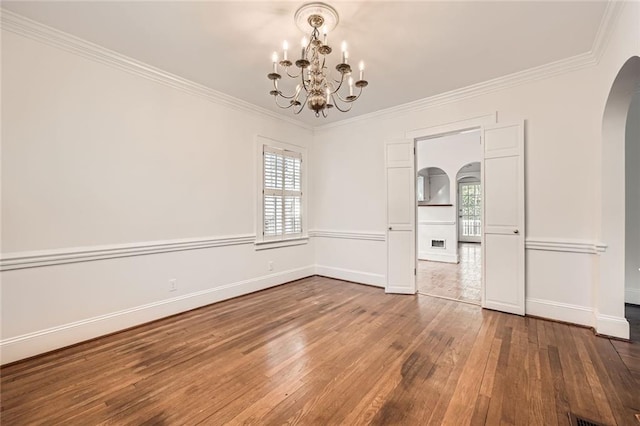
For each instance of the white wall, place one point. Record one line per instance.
(99, 164)
(563, 131)
(450, 154)
(632, 214)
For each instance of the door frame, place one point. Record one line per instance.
(472, 123)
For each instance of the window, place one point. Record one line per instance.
(281, 193)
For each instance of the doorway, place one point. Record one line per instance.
(449, 212)
(617, 262)
(632, 217)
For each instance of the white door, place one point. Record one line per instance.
(401, 208)
(503, 234)
(469, 212)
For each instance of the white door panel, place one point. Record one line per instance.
(503, 218)
(401, 277)
(502, 263)
(400, 210)
(502, 189)
(401, 242)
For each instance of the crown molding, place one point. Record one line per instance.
(607, 24)
(34, 30)
(573, 63)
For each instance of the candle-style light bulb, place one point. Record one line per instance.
(344, 52)
(285, 48)
(298, 88)
(274, 58)
(350, 86)
(328, 95)
(325, 32)
(304, 46)
(361, 70)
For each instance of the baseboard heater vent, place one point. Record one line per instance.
(581, 421)
(437, 244)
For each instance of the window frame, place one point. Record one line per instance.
(282, 240)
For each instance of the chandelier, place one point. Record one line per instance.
(319, 87)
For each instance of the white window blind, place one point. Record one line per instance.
(282, 193)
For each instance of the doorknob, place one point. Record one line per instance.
(516, 231)
(390, 229)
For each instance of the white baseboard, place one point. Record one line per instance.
(608, 325)
(565, 312)
(399, 290)
(27, 345)
(632, 295)
(438, 257)
(359, 277)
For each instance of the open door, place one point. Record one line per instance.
(401, 209)
(503, 270)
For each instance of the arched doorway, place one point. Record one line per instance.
(611, 285)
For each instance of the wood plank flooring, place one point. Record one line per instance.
(458, 281)
(323, 351)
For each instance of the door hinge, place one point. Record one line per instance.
(415, 271)
(414, 150)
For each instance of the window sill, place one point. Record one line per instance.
(270, 244)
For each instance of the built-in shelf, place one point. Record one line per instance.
(423, 204)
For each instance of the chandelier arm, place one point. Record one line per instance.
(356, 98)
(292, 76)
(335, 104)
(280, 106)
(302, 106)
(341, 98)
(324, 113)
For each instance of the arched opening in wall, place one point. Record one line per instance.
(447, 267)
(632, 218)
(618, 313)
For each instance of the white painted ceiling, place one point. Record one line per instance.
(412, 50)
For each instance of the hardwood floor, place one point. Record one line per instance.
(461, 281)
(323, 351)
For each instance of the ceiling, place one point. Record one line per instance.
(412, 50)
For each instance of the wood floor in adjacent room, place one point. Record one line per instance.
(323, 351)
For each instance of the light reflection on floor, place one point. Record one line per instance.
(454, 281)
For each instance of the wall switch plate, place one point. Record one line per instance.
(173, 284)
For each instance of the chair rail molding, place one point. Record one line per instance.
(348, 235)
(565, 245)
(33, 259)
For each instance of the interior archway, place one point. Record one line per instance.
(610, 294)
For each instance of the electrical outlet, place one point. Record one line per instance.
(173, 284)
(271, 265)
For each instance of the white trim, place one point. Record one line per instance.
(436, 257)
(399, 290)
(360, 277)
(270, 244)
(34, 30)
(436, 222)
(33, 259)
(453, 127)
(607, 24)
(573, 63)
(349, 235)
(558, 311)
(570, 246)
(632, 295)
(608, 325)
(26, 345)
(541, 72)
